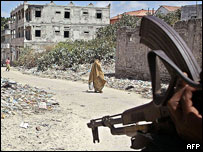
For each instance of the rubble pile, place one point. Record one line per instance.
(24, 99)
(138, 86)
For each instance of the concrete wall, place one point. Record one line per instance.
(131, 56)
(191, 11)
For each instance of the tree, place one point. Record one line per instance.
(4, 22)
(170, 18)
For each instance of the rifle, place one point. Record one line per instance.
(170, 48)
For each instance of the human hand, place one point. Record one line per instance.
(186, 117)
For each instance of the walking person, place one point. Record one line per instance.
(8, 64)
(97, 76)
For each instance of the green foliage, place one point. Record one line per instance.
(4, 21)
(109, 31)
(170, 18)
(28, 58)
(68, 54)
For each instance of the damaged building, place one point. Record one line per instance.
(5, 44)
(38, 26)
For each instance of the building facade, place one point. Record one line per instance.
(164, 9)
(191, 12)
(37, 26)
(5, 44)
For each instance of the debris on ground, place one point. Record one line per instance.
(24, 99)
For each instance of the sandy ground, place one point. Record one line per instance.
(67, 129)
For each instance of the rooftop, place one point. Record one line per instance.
(171, 8)
(138, 13)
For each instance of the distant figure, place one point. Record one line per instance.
(97, 76)
(8, 64)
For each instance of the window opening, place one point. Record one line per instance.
(67, 15)
(85, 12)
(37, 33)
(99, 14)
(66, 34)
(37, 13)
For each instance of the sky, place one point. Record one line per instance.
(117, 7)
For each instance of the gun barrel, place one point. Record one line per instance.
(102, 122)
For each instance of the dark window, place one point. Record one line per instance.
(192, 17)
(37, 13)
(66, 34)
(58, 12)
(22, 14)
(85, 13)
(86, 32)
(37, 33)
(28, 35)
(67, 15)
(26, 16)
(99, 15)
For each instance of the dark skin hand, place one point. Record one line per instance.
(187, 119)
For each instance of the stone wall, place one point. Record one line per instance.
(131, 55)
(191, 32)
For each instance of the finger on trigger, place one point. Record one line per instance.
(186, 103)
(180, 82)
(175, 99)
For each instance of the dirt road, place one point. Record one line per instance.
(67, 129)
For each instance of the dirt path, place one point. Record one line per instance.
(66, 129)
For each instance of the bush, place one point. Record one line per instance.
(170, 18)
(28, 58)
(68, 54)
